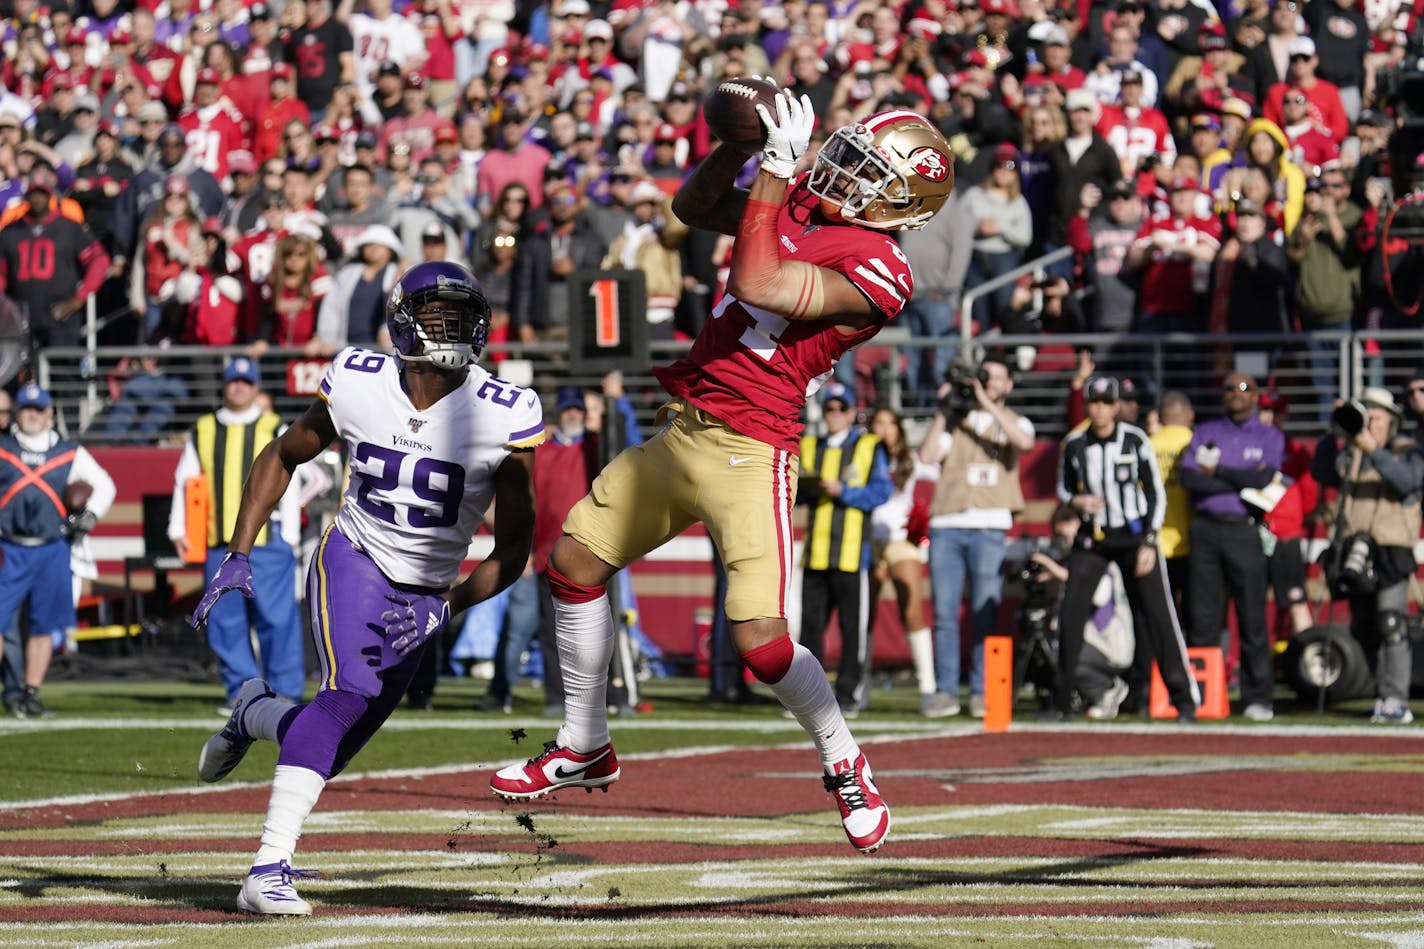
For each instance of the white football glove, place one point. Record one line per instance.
(788, 133)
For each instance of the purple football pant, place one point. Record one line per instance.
(362, 679)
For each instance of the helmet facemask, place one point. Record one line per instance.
(444, 322)
(891, 171)
(850, 174)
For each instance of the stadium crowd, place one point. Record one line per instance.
(259, 174)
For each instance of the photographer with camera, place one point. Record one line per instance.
(1379, 473)
(1108, 473)
(977, 441)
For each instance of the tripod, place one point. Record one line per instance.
(1036, 651)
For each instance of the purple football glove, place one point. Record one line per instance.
(234, 573)
(414, 620)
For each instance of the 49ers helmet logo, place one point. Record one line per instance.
(929, 164)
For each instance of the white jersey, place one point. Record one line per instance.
(887, 522)
(421, 481)
(374, 41)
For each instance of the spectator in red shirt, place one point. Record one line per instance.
(1325, 106)
(1311, 146)
(283, 109)
(418, 122)
(1173, 255)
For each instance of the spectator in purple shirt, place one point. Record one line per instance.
(1226, 455)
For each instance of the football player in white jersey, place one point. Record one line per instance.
(433, 439)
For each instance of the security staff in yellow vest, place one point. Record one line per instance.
(221, 448)
(845, 474)
(974, 505)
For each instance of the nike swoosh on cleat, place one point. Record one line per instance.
(561, 774)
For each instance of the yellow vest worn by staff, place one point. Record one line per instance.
(836, 536)
(226, 453)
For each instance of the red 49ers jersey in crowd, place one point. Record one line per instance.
(754, 369)
(1135, 134)
(212, 132)
(1167, 285)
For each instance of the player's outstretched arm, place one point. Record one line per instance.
(708, 198)
(513, 534)
(272, 471)
(758, 276)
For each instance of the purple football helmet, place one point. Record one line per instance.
(450, 336)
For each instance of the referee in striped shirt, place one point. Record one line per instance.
(1108, 473)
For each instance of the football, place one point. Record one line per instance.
(730, 111)
(76, 496)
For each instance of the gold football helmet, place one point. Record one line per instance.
(892, 171)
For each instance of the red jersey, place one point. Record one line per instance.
(212, 132)
(297, 327)
(754, 369)
(1134, 137)
(267, 142)
(563, 472)
(1167, 279)
(1324, 106)
(1311, 147)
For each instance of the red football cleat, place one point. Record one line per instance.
(555, 768)
(863, 811)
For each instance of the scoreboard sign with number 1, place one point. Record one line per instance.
(608, 327)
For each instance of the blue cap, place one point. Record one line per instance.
(33, 397)
(569, 397)
(240, 368)
(838, 392)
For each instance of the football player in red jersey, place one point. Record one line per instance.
(814, 271)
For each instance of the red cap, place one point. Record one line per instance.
(209, 76)
(212, 225)
(445, 134)
(325, 133)
(1005, 152)
(976, 57)
(281, 70)
(414, 80)
(1271, 398)
(77, 36)
(1006, 7)
(107, 128)
(242, 162)
(62, 80)
(667, 132)
(120, 38)
(1185, 183)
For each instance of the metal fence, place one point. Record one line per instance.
(1312, 371)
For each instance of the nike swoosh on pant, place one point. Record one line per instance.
(561, 774)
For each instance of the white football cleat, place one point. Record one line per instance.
(268, 890)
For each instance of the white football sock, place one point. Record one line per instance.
(807, 694)
(585, 636)
(262, 716)
(294, 794)
(922, 655)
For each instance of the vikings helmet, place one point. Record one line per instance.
(450, 336)
(891, 171)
